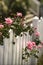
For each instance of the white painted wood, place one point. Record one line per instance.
(23, 45)
(28, 39)
(17, 60)
(33, 60)
(40, 29)
(35, 21)
(10, 48)
(6, 50)
(14, 51)
(20, 51)
(1, 55)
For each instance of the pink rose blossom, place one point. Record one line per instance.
(8, 21)
(19, 14)
(39, 46)
(42, 43)
(30, 45)
(34, 44)
(37, 33)
(1, 26)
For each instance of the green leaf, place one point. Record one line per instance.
(36, 56)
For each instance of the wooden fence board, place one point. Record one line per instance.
(1, 55)
(6, 50)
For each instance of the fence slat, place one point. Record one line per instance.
(17, 61)
(1, 55)
(23, 45)
(6, 50)
(20, 51)
(14, 52)
(39, 28)
(10, 48)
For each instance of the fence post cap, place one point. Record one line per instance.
(41, 17)
(36, 17)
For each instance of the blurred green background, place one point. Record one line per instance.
(10, 7)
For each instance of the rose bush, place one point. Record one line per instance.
(32, 48)
(15, 23)
(19, 27)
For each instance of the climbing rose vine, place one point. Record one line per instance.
(15, 23)
(18, 26)
(32, 48)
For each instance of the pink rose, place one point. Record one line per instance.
(30, 45)
(34, 44)
(8, 21)
(37, 33)
(39, 46)
(1, 26)
(42, 43)
(19, 14)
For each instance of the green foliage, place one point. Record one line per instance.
(1, 40)
(3, 10)
(31, 31)
(18, 27)
(37, 41)
(26, 54)
(41, 1)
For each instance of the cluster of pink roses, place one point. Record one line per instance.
(9, 21)
(32, 45)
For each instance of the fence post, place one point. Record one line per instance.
(40, 26)
(10, 61)
(35, 24)
(35, 21)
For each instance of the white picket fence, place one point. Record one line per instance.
(11, 54)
